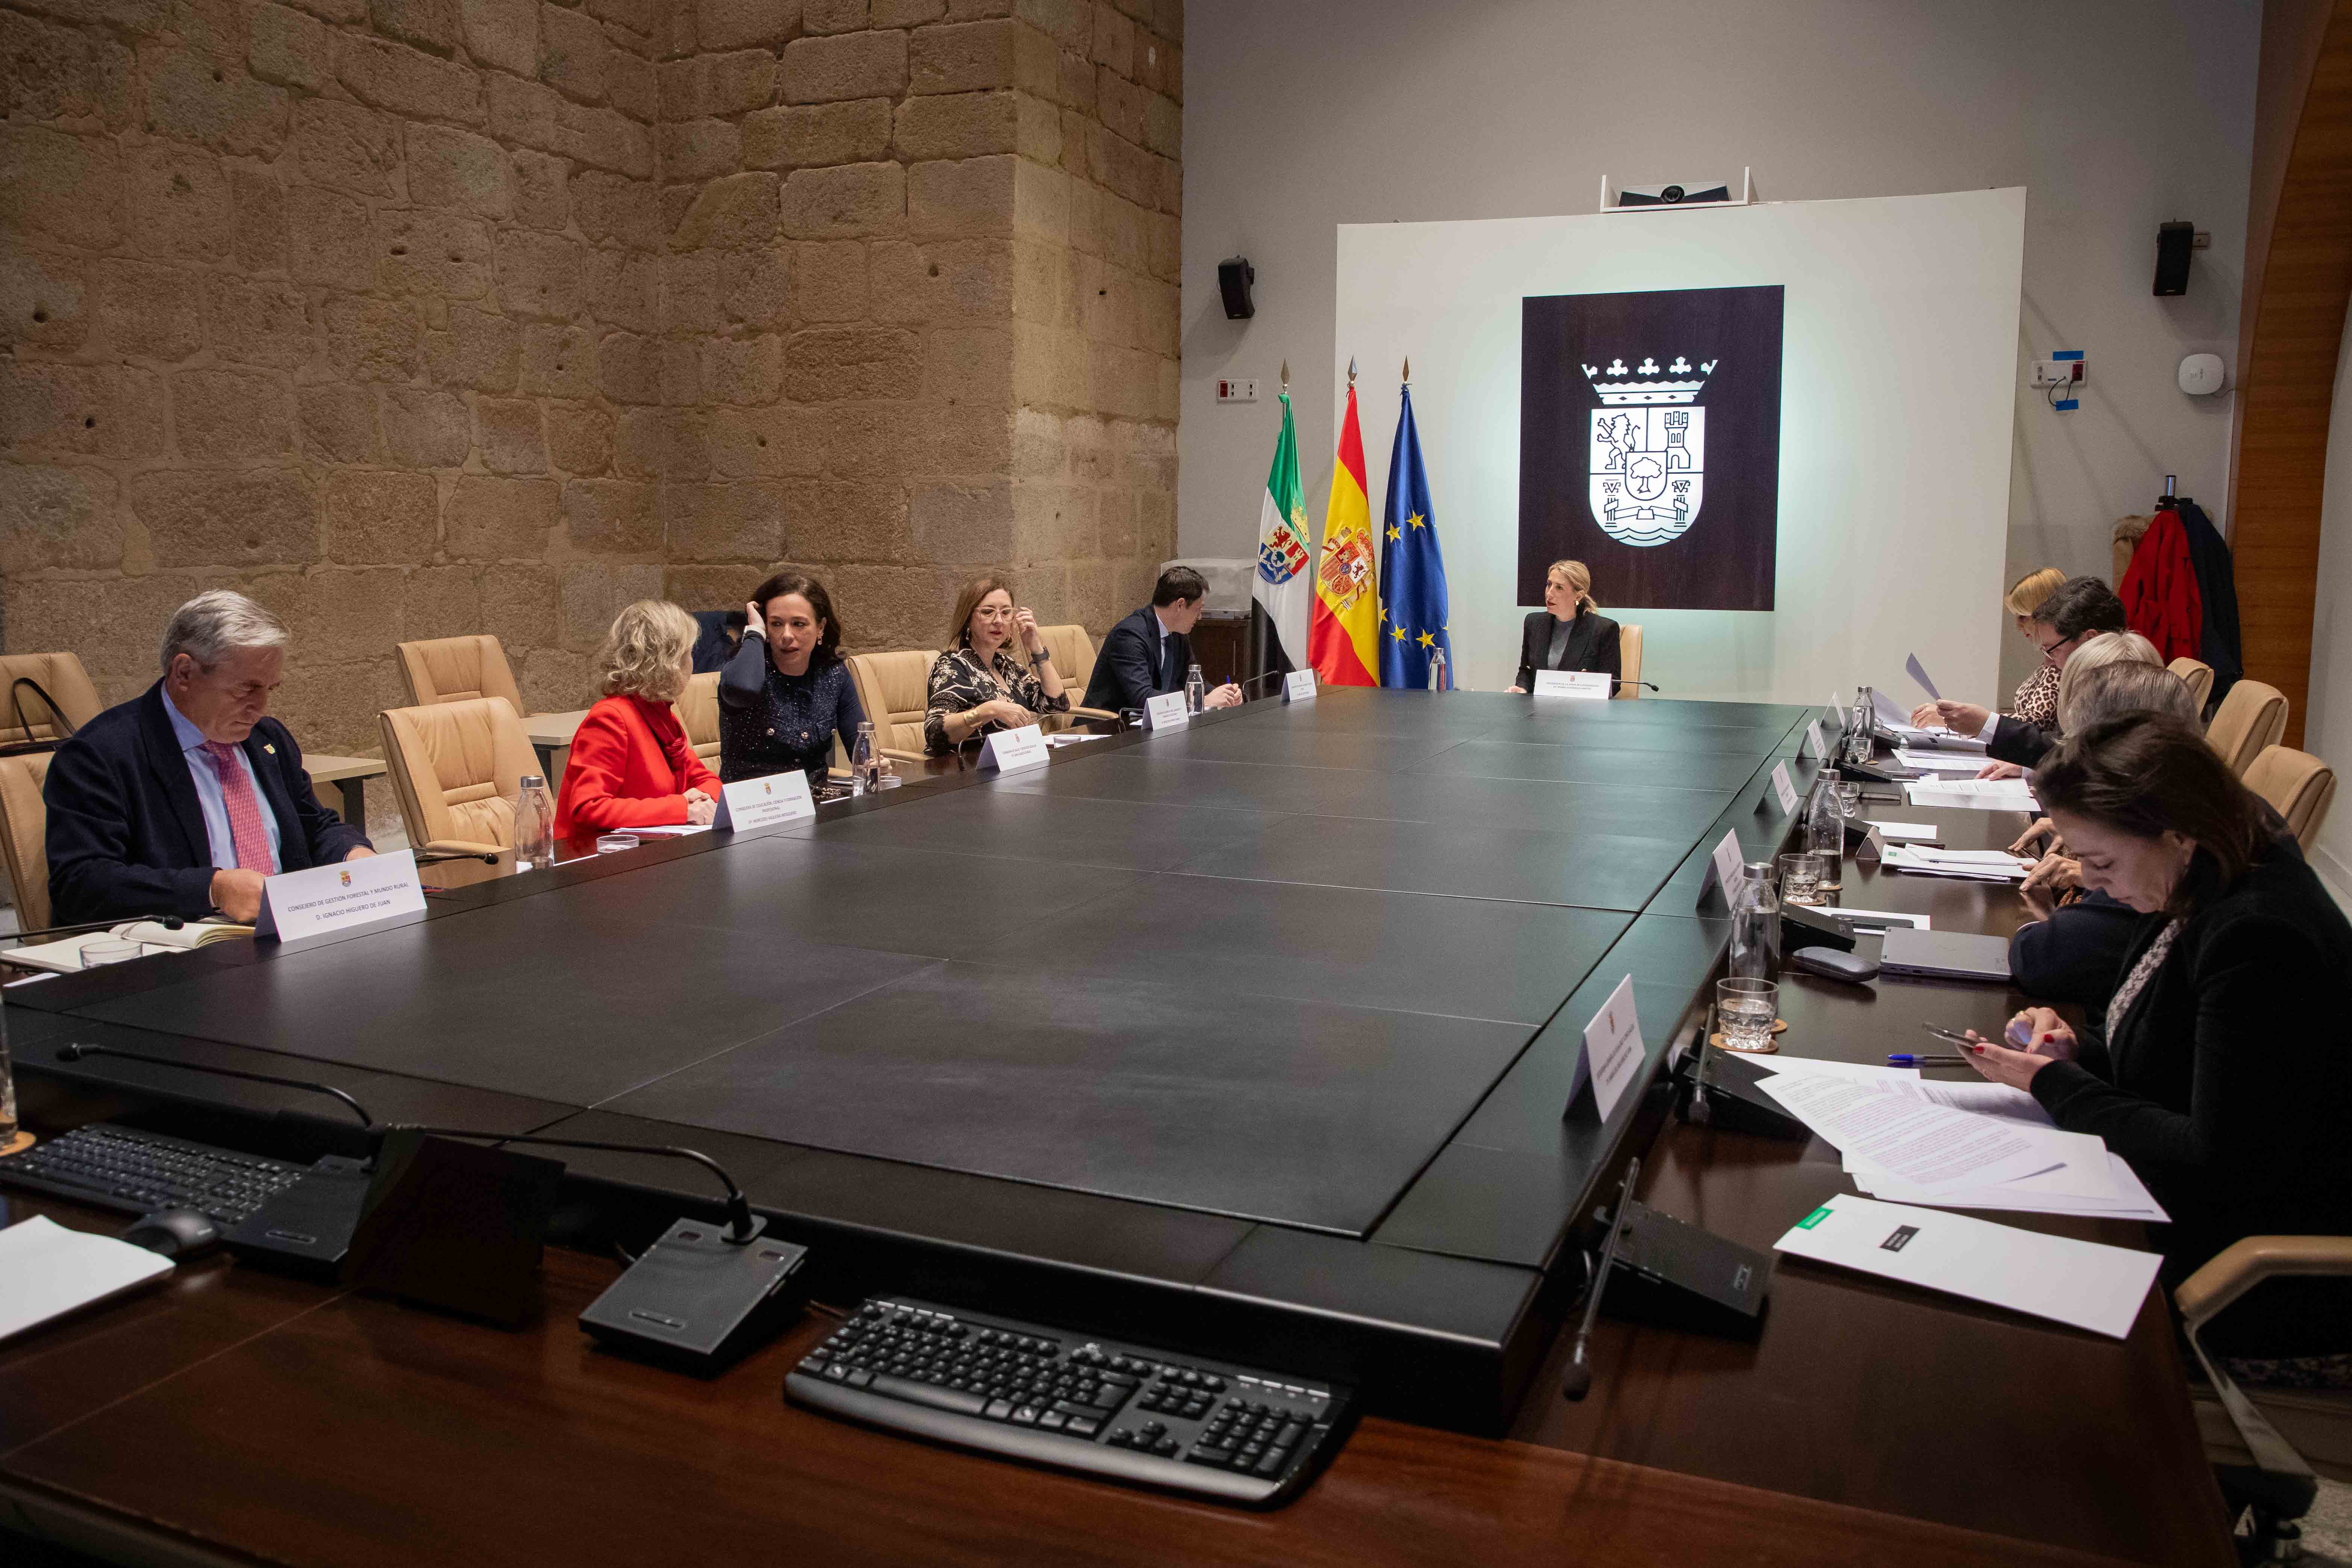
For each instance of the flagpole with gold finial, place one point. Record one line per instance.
(1285, 378)
(1408, 371)
(1351, 370)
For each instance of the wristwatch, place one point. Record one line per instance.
(1043, 656)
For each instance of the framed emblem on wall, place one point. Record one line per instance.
(1650, 444)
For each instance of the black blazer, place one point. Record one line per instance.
(2228, 1088)
(1128, 668)
(2077, 955)
(126, 836)
(1592, 644)
(2018, 740)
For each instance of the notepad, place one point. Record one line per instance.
(47, 1271)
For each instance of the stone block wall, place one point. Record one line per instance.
(421, 317)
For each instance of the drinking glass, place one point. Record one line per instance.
(1800, 879)
(1745, 1010)
(109, 950)
(1850, 798)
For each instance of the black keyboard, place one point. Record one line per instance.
(139, 1173)
(1187, 1423)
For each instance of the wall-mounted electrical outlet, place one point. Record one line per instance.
(1242, 391)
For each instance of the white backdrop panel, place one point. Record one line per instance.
(1900, 344)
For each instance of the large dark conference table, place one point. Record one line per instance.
(1258, 1036)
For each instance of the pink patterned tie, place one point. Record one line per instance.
(244, 825)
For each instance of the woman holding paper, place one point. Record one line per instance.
(976, 687)
(631, 765)
(2225, 1074)
(1570, 631)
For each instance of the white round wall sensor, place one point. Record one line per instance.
(2201, 374)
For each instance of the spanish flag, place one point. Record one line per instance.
(1344, 628)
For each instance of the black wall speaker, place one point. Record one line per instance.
(2174, 241)
(1233, 280)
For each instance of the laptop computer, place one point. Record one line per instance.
(1945, 954)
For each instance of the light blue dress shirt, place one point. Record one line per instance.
(213, 802)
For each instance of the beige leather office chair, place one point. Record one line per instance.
(2265, 1447)
(1629, 659)
(2196, 677)
(2298, 785)
(23, 715)
(24, 834)
(455, 766)
(2253, 716)
(894, 689)
(458, 669)
(697, 710)
(1073, 661)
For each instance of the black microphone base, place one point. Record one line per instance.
(307, 1229)
(697, 1301)
(1677, 1274)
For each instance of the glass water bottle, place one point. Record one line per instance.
(534, 823)
(864, 763)
(1195, 690)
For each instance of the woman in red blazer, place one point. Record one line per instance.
(631, 766)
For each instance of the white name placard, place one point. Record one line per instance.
(1782, 790)
(1814, 746)
(1298, 686)
(295, 904)
(765, 802)
(1723, 869)
(1166, 711)
(1010, 751)
(1585, 685)
(1613, 1047)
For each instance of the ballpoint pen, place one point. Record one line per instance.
(1898, 1059)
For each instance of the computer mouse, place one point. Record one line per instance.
(174, 1233)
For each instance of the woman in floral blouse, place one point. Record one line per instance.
(977, 687)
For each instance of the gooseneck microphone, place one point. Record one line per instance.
(741, 1226)
(436, 857)
(1577, 1380)
(169, 922)
(77, 1050)
(1267, 675)
(1643, 684)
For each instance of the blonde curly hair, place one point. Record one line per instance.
(645, 654)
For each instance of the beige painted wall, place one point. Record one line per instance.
(2115, 115)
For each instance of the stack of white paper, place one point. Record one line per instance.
(1908, 832)
(1974, 865)
(1961, 1145)
(2078, 1282)
(1963, 765)
(1973, 794)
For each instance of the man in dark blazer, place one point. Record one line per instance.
(2077, 610)
(182, 800)
(1145, 655)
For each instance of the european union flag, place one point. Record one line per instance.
(1412, 569)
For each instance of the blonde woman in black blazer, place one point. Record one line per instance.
(1570, 631)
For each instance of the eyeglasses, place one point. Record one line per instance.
(2049, 650)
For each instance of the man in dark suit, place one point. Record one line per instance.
(1146, 654)
(182, 800)
(2077, 610)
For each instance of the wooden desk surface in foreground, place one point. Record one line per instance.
(222, 1414)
